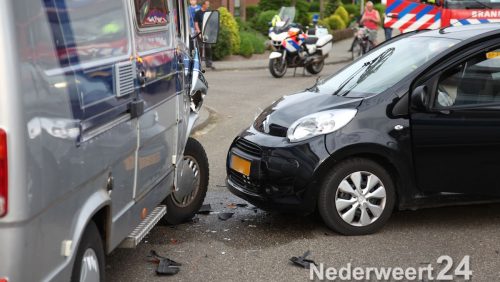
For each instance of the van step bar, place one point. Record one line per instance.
(143, 228)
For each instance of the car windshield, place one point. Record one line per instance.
(385, 66)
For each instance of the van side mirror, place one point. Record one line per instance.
(420, 98)
(210, 30)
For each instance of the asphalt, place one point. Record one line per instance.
(255, 245)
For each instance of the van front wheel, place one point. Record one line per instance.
(182, 205)
(89, 261)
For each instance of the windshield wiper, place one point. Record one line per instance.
(372, 65)
(315, 88)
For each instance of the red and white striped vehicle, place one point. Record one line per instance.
(407, 15)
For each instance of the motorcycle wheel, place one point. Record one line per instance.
(316, 67)
(277, 67)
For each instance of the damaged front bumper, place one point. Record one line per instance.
(281, 174)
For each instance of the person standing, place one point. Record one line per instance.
(193, 8)
(198, 25)
(371, 20)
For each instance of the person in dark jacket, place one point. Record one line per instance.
(198, 24)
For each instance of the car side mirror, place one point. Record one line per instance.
(210, 30)
(420, 98)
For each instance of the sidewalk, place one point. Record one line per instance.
(339, 54)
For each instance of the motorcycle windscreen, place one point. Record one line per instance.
(287, 13)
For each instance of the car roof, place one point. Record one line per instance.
(462, 32)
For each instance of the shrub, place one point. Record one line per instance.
(352, 9)
(252, 11)
(223, 46)
(265, 5)
(314, 7)
(263, 20)
(227, 20)
(343, 14)
(246, 47)
(331, 6)
(381, 9)
(335, 22)
(301, 12)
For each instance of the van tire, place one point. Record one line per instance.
(91, 241)
(331, 198)
(176, 213)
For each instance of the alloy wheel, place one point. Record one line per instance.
(360, 198)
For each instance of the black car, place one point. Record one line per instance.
(414, 122)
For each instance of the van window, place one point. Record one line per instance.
(151, 13)
(82, 35)
(72, 50)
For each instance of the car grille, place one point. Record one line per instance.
(243, 181)
(248, 147)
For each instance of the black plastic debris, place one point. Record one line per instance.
(166, 266)
(241, 205)
(302, 261)
(205, 209)
(225, 215)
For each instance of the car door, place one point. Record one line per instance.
(456, 142)
(157, 66)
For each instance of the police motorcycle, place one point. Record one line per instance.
(292, 47)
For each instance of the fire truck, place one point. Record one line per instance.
(407, 15)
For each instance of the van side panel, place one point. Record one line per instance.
(67, 131)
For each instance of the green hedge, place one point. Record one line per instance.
(227, 20)
(381, 9)
(335, 22)
(343, 14)
(263, 20)
(223, 46)
(252, 11)
(353, 10)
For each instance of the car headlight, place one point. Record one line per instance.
(319, 123)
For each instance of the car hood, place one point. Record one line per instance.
(276, 118)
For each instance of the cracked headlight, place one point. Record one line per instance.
(319, 123)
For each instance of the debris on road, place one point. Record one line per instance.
(303, 261)
(166, 266)
(205, 209)
(252, 226)
(241, 205)
(226, 215)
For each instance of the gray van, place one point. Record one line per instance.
(97, 101)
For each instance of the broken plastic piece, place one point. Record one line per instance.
(205, 209)
(302, 261)
(225, 215)
(166, 266)
(241, 205)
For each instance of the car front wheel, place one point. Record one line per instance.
(357, 198)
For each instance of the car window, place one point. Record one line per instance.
(151, 13)
(475, 81)
(385, 66)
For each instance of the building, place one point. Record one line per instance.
(236, 7)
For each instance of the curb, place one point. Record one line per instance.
(265, 67)
(212, 119)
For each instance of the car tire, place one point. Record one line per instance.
(195, 160)
(357, 209)
(89, 260)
